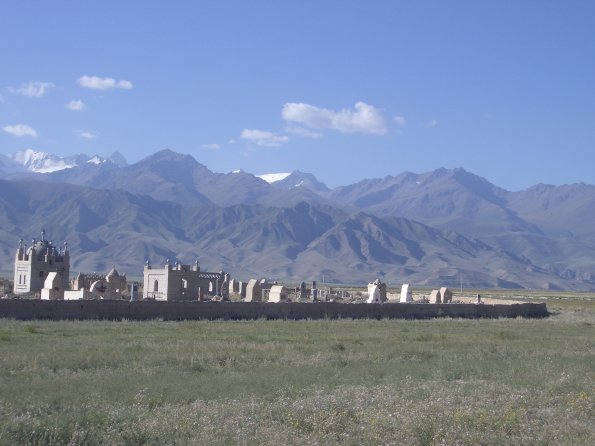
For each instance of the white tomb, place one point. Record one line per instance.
(406, 293)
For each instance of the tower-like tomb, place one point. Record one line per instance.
(33, 264)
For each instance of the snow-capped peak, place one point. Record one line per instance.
(295, 179)
(40, 162)
(26, 156)
(274, 177)
(96, 160)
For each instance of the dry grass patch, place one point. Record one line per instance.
(303, 382)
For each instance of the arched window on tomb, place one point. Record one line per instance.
(184, 285)
(210, 287)
(156, 285)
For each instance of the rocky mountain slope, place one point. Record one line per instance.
(104, 228)
(431, 228)
(548, 225)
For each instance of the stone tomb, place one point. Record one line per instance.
(278, 293)
(254, 290)
(53, 287)
(180, 282)
(233, 286)
(376, 292)
(406, 293)
(97, 286)
(435, 297)
(303, 291)
(32, 266)
(446, 295)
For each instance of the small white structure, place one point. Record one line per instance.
(77, 294)
(180, 282)
(97, 286)
(278, 293)
(446, 295)
(376, 292)
(53, 287)
(373, 294)
(435, 297)
(253, 291)
(234, 287)
(406, 293)
(237, 287)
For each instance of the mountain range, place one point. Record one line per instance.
(29, 160)
(430, 229)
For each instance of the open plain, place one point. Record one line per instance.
(443, 381)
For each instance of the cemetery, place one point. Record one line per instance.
(175, 291)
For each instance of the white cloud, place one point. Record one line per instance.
(262, 138)
(86, 134)
(363, 119)
(77, 105)
(211, 146)
(301, 131)
(103, 83)
(432, 123)
(400, 120)
(20, 130)
(32, 89)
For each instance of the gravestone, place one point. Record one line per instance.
(52, 287)
(303, 291)
(253, 291)
(406, 293)
(446, 295)
(376, 292)
(435, 297)
(278, 293)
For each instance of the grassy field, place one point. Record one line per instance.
(303, 382)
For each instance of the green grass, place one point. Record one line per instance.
(303, 382)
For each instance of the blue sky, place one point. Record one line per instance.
(345, 90)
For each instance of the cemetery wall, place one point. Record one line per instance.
(147, 310)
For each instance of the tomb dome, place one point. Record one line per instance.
(39, 246)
